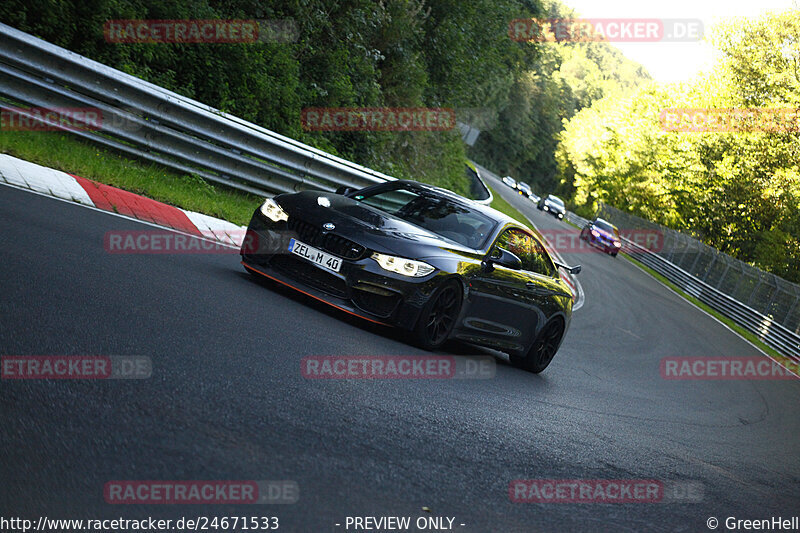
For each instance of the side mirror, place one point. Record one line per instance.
(505, 259)
(571, 269)
(344, 190)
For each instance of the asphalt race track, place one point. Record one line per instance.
(226, 400)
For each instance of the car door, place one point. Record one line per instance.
(503, 301)
(547, 292)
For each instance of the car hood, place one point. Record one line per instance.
(606, 235)
(366, 225)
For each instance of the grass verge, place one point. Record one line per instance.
(63, 152)
(785, 361)
(506, 208)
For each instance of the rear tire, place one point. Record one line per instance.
(439, 316)
(543, 349)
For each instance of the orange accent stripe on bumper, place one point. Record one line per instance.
(248, 267)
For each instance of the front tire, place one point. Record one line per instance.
(439, 316)
(541, 352)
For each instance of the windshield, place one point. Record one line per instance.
(433, 212)
(556, 200)
(605, 226)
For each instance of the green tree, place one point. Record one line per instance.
(737, 190)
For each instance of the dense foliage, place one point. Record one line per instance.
(737, 190)
(575, 118)
(359, 53)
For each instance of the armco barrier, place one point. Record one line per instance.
(147, 122)
(764, 327)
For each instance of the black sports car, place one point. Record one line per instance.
(420, 258)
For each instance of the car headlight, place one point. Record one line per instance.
(273, 211)
(400, 265)
(618, 244)
(595, 233)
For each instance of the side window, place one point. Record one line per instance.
(540, 259)
(515, 241)
(531, 253)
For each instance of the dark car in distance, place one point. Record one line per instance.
(553, 205)
(603, 235)
(420, 258)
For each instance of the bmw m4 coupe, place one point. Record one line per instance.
(419, 258)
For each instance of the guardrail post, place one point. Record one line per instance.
(709, 267)
(771, 301)
(722, 278)
(753, 292)
(791, 310)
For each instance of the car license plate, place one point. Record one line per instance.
(318, 257)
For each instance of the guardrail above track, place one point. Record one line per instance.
(148, 122)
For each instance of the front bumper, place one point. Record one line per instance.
(555, 213)
(607, 247)
(361, 287)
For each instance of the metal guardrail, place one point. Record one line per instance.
(147, 122)
(764, 327)
(767, 293)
